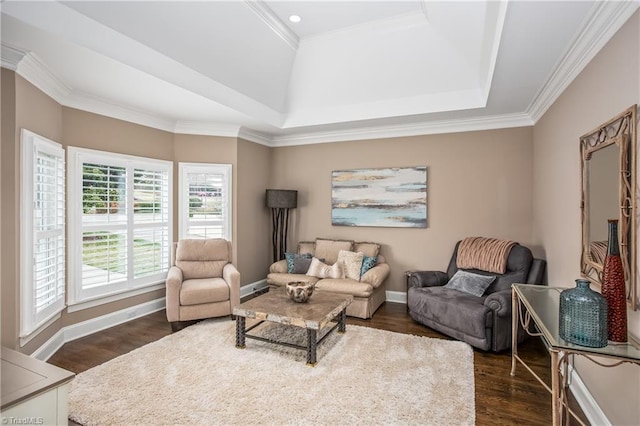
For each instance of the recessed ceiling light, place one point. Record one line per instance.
(295, 18)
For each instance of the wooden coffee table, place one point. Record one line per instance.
(314, 315)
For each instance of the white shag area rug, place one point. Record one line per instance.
(198, 377)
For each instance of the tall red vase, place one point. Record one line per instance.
(613, 288)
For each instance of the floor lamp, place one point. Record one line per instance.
(280, 201)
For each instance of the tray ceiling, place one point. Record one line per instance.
(347, 69)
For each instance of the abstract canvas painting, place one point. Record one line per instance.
(393, 197)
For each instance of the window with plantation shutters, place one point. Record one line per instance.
(205, 200)
(120, 223)
(42, 231)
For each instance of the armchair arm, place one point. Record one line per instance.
(232, 277)
(499, 302)
(376, 275)
(427, 279)
(280, 267)
(173, 284)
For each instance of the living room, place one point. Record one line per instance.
(519, 182)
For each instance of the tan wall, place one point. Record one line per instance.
(207, 149)
(8, 266)
(37, 112)
(478, 184)
(254, 229)
(606, 87)
(88, 130)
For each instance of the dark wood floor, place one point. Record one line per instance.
(500, 398)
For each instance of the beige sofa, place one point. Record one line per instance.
(202, 281)
(368, 292)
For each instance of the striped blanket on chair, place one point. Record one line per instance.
(485, 254)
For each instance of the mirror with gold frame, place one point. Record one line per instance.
(609, 192)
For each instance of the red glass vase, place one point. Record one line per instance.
(613, 288)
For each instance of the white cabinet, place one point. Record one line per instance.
(33, 392)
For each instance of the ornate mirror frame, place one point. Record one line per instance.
(619, 131)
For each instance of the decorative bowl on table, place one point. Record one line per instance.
(300, 291)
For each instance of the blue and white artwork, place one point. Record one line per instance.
(393, 197)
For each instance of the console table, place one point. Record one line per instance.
(541, 305)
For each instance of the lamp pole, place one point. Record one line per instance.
(280, 201)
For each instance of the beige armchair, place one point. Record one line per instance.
(202, 281)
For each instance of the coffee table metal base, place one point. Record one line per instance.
(312, 336)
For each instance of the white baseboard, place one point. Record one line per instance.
(397, 296)
(93, 325)
(81, 329)
(585, 400)
(52, 345)
(249, 289)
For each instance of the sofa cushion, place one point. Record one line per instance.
(202, 258)
(368, 262)
(281, 279)
(322, 270)
(203, 249)
(368, 249)
(203, 290)
(306, 247)
(345, 286)
(352, 262)
(470, 283)
(292, 257)
(329, 249)
(459, 311)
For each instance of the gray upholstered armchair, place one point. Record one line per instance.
(482, 321)
(202, 281)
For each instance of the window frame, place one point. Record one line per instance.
(32, 321)
(77, 157)
(226, 170)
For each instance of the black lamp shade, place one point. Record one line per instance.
(282, 198)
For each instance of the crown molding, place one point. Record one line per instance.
(96, 105)
(404, 130)
(204, 128)
(36, 73)
(272, 21)
(257, 137)
(10, 56)
(603, 21)
(32, 69)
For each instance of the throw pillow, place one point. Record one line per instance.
(368, 262)
(329, 249)
(352, 263)
(368, 249)
(470, 283)
(307, 247)
(291, 257)
(322, 270)
(301, 265)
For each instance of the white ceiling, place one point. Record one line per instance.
(349, 70)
